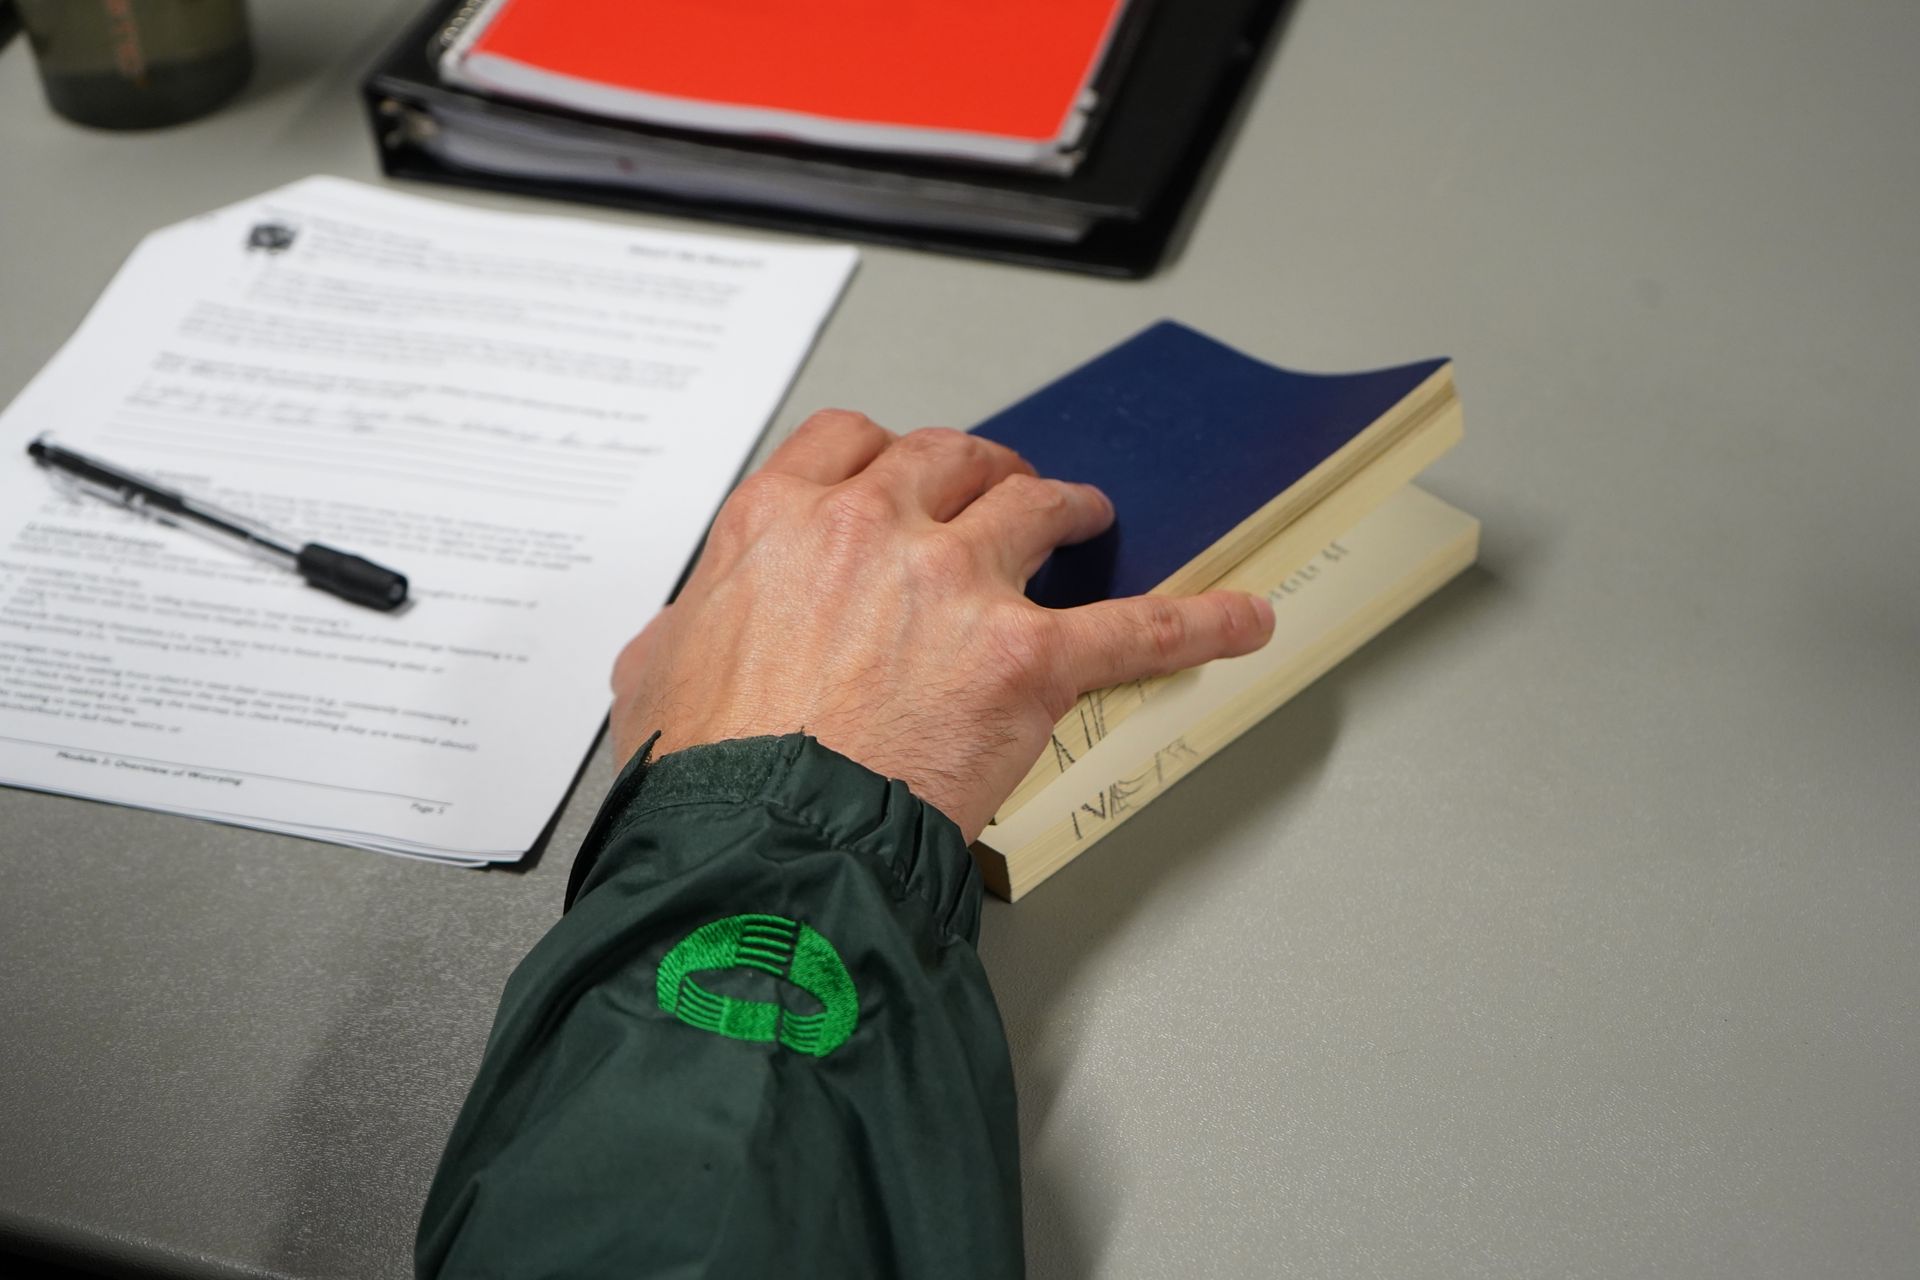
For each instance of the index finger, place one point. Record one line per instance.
(1023, 518)
(943, 471)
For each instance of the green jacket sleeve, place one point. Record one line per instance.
(758, 1043)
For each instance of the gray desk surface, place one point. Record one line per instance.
(1570, 929)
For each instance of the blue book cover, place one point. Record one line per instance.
(1188, 437)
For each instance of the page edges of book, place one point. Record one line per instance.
(1013, 859)
(1100, 711)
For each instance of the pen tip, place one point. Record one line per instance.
(35, 449)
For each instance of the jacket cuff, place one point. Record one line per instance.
(851, 807)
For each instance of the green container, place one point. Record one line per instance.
(138, 64)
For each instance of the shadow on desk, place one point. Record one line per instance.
(1038, 951)
(16, 1266)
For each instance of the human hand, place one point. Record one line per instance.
(866, 588)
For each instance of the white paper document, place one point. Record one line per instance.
(533, 418)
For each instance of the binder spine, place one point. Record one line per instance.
(444, 38)
(451, 42)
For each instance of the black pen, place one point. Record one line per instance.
(336, 572)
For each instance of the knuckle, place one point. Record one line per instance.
(943, 558)
(939, 440)
(757, 490)
(1165, 627)
(1031, 493)
(855, 512)
(751, 504)
(825, 421)
(943, 437)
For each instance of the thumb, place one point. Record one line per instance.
(1115, 641)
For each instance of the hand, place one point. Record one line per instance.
(866, 588)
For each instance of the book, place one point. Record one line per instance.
(1167, 90)
(990, 81)
(1224, 471)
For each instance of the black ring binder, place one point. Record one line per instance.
(1115, 215)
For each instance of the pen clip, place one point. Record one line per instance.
(77, 488)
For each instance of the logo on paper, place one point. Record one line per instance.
(270, 237)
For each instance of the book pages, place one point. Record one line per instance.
(1324, 610)
(1100, 712)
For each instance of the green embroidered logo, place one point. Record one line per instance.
(771, 944)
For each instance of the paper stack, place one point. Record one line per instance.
(532, 418)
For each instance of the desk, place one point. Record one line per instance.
(1569, 929)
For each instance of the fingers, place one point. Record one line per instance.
(938, 470)
(1023, 518)
(831, 446)
(1120, 640)
(941, 471)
